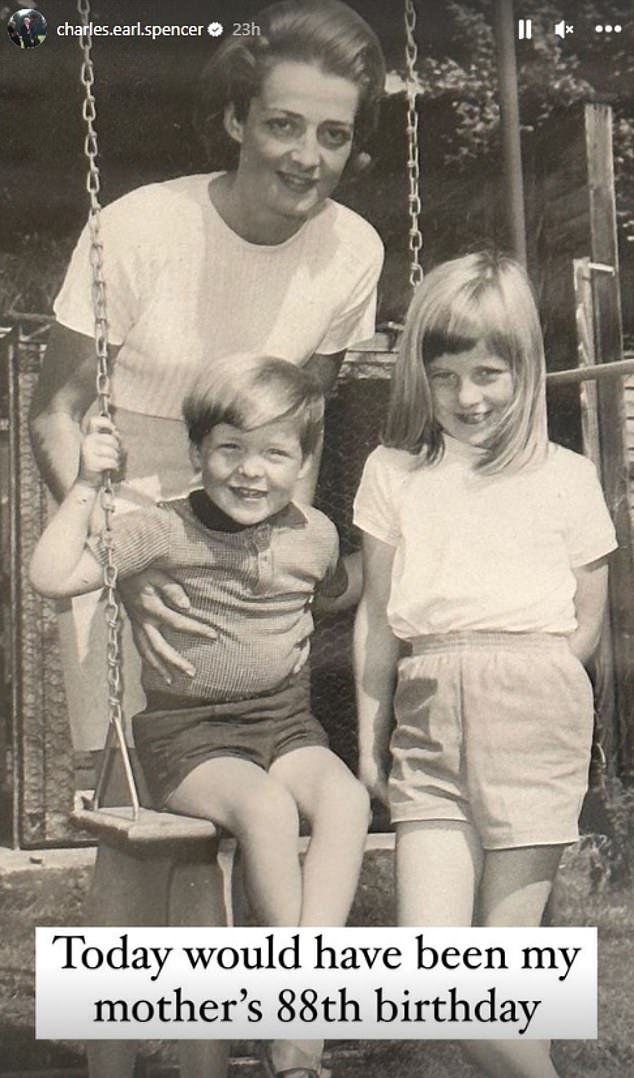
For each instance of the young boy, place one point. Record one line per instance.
(235, 742)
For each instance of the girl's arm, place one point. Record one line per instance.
(62, 564)
(590, 600)
(376, 652)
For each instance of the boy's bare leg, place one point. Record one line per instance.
(243, 799)
(337, 808)
(283, 1055)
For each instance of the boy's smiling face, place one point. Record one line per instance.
(250, 474)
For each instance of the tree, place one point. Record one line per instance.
(458, 77)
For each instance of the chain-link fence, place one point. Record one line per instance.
(354, 418)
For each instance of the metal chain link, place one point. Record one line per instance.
(413, 164)
(113, 607)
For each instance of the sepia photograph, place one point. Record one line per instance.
(316, 432)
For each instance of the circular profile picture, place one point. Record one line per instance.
(27, 28)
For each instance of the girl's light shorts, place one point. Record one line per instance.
(494, 729)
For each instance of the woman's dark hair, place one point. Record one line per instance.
(326, 33)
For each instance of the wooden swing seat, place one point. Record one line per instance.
(119, 825)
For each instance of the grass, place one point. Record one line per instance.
(55, 897)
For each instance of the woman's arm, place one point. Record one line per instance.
(63, 395)
(325, 369)
(376, 652)
(590, 600)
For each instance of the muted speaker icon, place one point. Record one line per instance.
(562, 28)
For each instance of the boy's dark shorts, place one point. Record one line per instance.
(172, 741)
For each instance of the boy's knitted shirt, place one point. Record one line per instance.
(254, 586)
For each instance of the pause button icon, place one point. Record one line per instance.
(524, 28)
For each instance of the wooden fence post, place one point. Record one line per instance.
(608, 345)
(603, 663)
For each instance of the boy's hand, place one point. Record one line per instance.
(373, 775)
(100, 451)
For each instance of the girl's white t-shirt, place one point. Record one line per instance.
(486, 553)
(183, 289)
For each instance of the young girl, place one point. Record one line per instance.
(484, 553)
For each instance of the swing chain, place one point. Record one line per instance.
(91, 150)
(112, 606)
(413, 165)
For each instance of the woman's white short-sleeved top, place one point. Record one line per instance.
(183, 289)
(485, 553)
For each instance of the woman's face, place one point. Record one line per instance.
(296, 138)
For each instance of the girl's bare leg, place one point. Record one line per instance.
(444, 878)
(516, 885)
(514, 890)
(438, 867)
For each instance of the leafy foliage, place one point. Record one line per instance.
(458, 81)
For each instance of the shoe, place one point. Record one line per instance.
(297, 1072)
(291, 1072)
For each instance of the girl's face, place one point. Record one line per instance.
(296, 139)
(470, 392)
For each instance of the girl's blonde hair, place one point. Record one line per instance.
(479, 297)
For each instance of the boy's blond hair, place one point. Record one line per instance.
(248, 391)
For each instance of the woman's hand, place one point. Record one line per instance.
(153, 600)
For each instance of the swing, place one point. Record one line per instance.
(134, 825)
